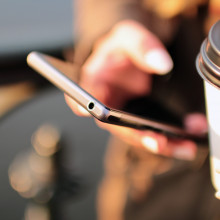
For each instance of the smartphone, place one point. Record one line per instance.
(58, 72)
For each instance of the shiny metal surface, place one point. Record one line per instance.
(208, 61)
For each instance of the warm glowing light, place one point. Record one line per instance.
(45, 140)
(41, 167)
(36, 212)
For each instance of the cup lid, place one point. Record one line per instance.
(208, 61)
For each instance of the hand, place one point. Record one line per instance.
(122, 63)
(195, 123)
(119, 69)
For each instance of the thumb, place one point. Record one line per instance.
(142, 47)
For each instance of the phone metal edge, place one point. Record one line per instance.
(92, 105)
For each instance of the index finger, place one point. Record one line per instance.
(154, 142)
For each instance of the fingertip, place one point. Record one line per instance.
(82, 111)
(185, 150)
(77, 109)
(196, 123)
(183, 153)
(159, 61)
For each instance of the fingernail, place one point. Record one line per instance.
(150, 144)
(217, 195)
(159, 60)
(183, 153)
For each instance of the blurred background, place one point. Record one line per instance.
(29, 25)
(51, 160)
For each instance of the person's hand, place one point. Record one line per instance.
(121, 64)
(119, 69)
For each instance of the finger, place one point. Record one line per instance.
(181, 149)
(77, 109)
(143, 48)
(154, 142)
(196, 123)
(112, 82)
(116, 68)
